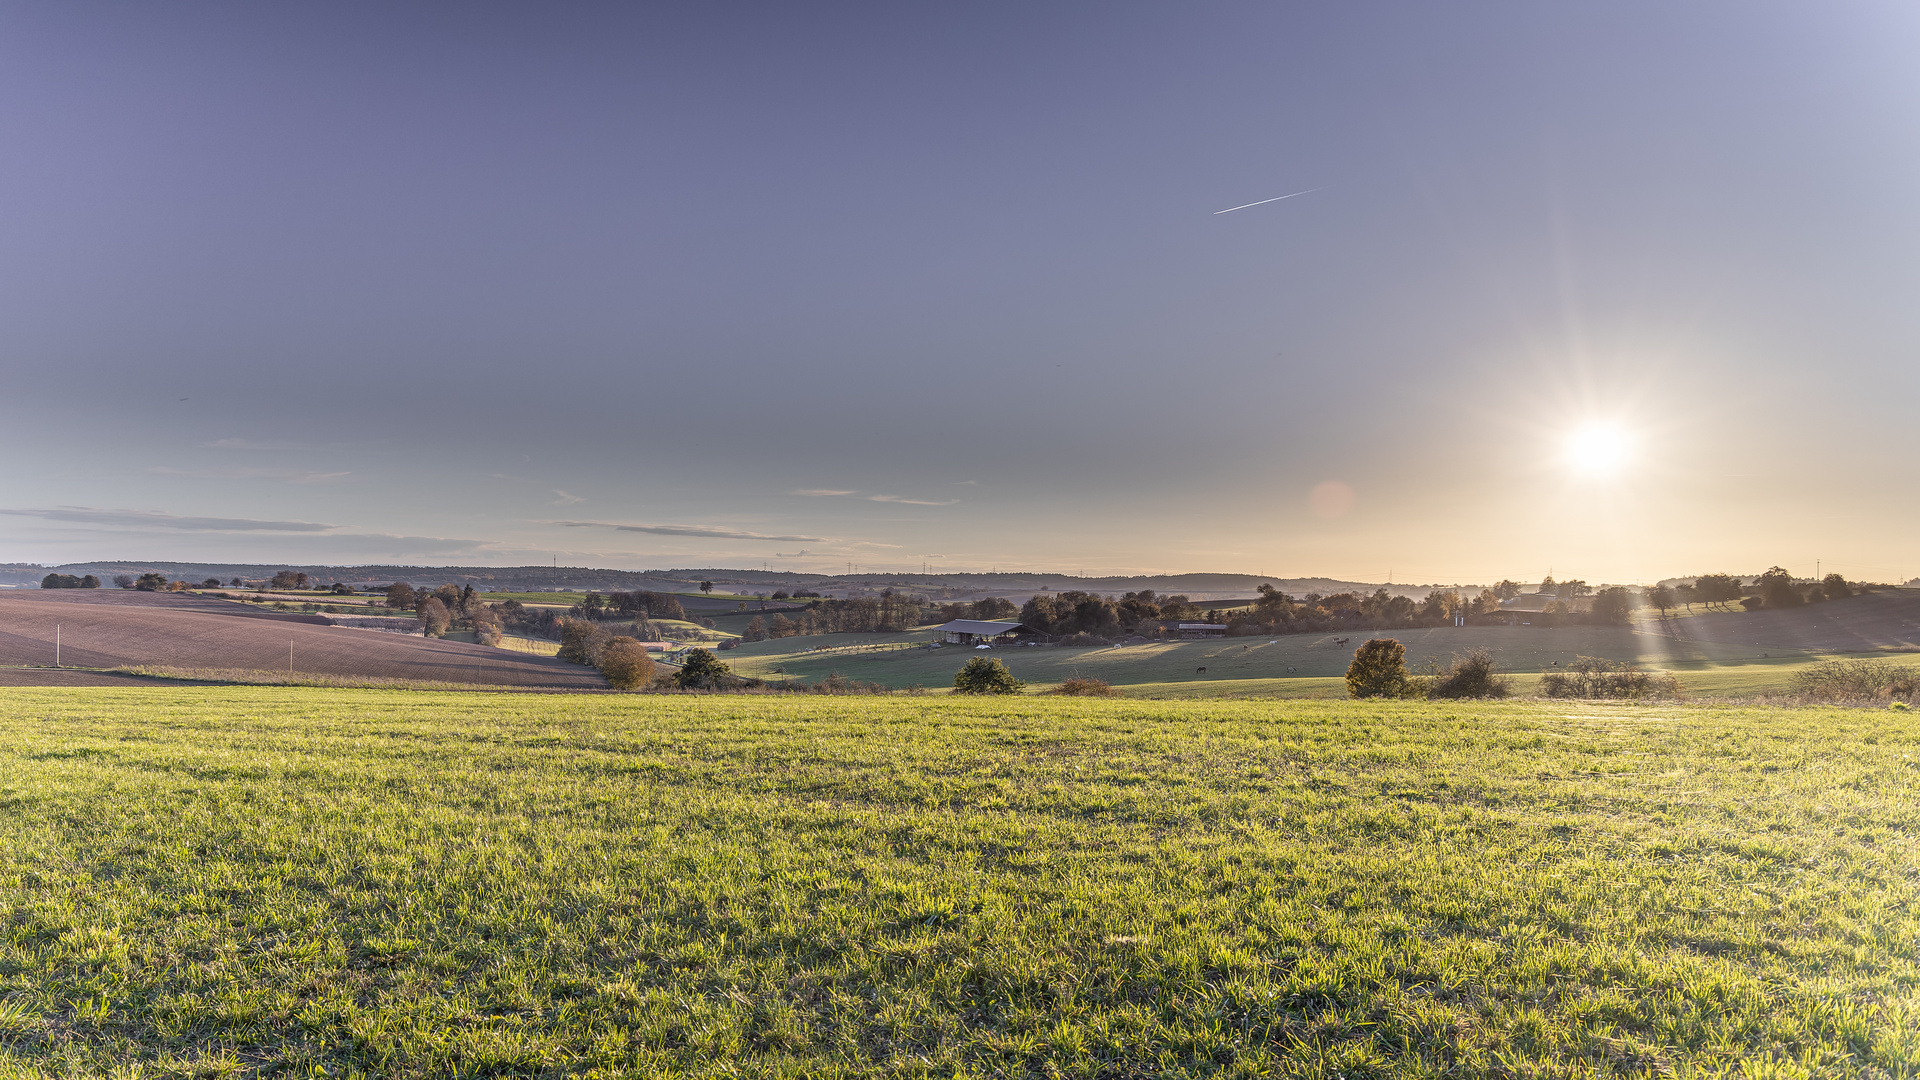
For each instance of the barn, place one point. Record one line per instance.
(980, 631)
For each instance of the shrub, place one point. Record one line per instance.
(1593, 677)
(1379, 669)
(1471, 675)
(986, 675)
(626, 664)
(1855, 680)
(1084, 686)
(701, 670)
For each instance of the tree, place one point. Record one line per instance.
(1718, 589)
(756, 630)
(151, 582)
(1777, 589)
(1575, 589)
(214, 583)
(1507, 590)
(706, 586)
(434, 617)
(1614, 605)
(289, 579)
(994, 608)
(701, 670)
(1685, 593)
(986, 675)
(626, 664)
(400, 596)
(1379, 669)
(582, 641)
(1661, 598)
(781, 627)
(1836, 587)
(59, 581)
(1547, 586)
(125, 581)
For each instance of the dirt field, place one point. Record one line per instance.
(101, 629)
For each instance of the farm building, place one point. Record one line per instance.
(1193, 630)
(979, 631)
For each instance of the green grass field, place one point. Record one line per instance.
(1257, 667)
(241, 880)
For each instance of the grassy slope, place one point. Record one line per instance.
(1257, 666)
(224, 880)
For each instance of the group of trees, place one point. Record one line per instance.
(447, 608)
(628, 605)
(1777, 588)
(68, 581)
(625, 663)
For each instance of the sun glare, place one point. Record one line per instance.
(1598, 450)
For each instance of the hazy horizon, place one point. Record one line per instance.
(1619, 292)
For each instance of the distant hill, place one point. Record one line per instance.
(942, 586)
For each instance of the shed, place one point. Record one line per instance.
(978, 631)
(1202, 629)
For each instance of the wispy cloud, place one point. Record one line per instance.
(836, 493)
(290, 476)
(566, 499)
(155, 519)
(710, 531)
(253, 444)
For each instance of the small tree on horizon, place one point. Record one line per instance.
(706, 586)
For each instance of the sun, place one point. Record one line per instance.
(1598, 450)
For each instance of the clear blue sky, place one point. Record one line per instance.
(892, 284)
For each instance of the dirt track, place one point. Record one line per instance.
(115, 628)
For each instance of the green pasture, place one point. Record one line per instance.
(1242, 667)
(238, 881)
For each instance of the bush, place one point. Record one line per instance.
(1082, 686)
(626, 664)
(1592, 677)
(1855, 680)
(701, 670)
(986, 675)
(1379, 669)
(1471, 675)
(69, 581)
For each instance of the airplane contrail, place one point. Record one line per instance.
(1264, 202)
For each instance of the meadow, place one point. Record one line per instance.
(280, 881)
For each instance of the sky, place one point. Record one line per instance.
(1613, 291)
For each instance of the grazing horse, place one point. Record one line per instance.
(1341, 640)
(1290, 671)
(1199, 671)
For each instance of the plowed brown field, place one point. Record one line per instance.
(115, 628)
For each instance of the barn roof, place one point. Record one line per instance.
(979, 626)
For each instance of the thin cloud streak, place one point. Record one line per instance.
(156, 519)
(709, 531)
